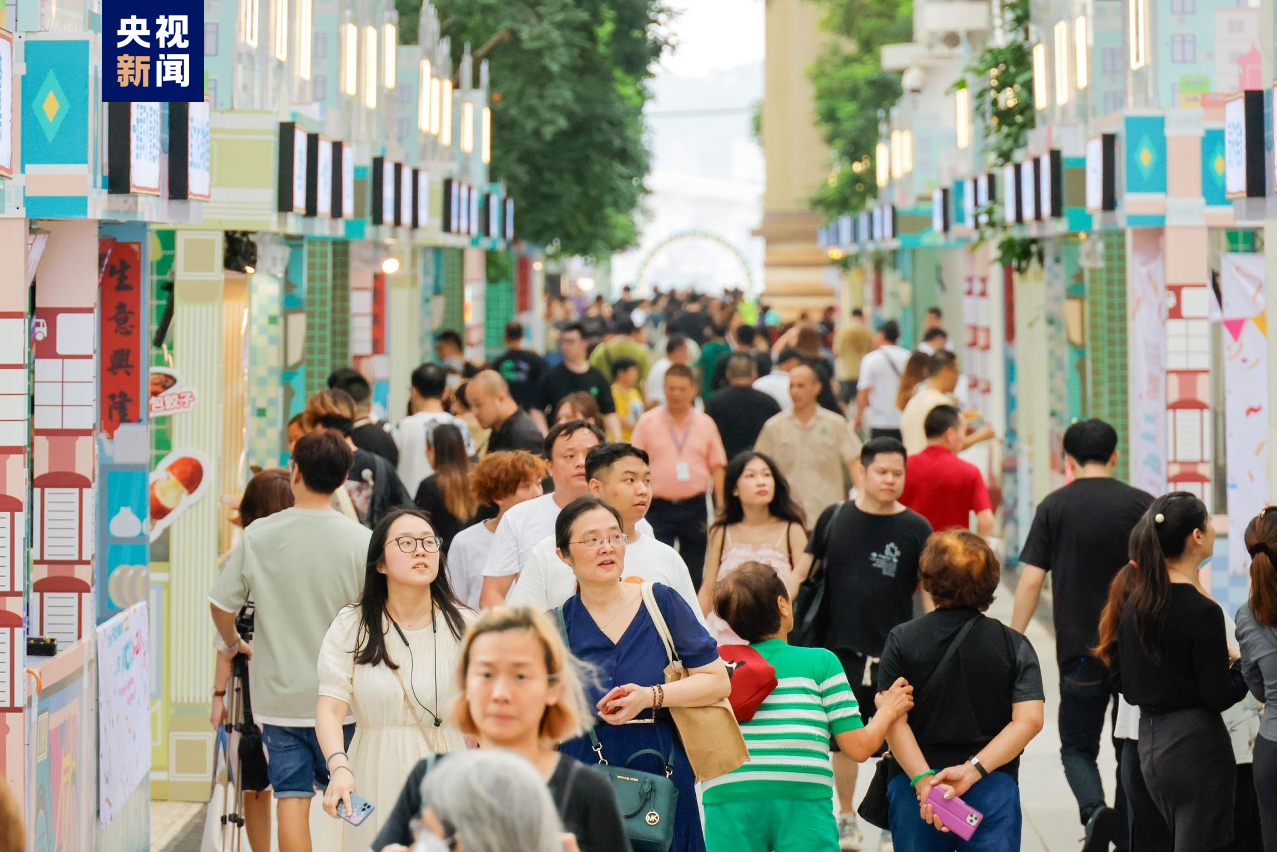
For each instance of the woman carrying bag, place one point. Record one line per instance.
(609, 625)
(390, 660)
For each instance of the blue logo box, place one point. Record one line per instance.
(152, 51)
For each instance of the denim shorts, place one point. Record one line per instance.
(294, 762)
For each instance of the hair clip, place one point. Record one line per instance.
(1159, 518)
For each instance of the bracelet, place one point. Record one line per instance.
(343, 766)
(914, 781)
(219, 693)
(329, 758)
(660, 690)
(220, 645)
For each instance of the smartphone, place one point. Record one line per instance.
(957, 815)
(363, 809)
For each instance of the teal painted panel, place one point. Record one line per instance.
(1145, 144)
(1213, 190)
(56, 94)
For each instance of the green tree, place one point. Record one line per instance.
(569, 80)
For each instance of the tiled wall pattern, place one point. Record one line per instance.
(1189, 440)
(453, 288)
(319, 313)
(266, 416)
(1107, 383)
(498, 310)
(339, 331)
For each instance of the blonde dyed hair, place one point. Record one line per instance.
(566, 719)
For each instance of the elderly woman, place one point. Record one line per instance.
(783, 798)
(978, 702)
(608, 626)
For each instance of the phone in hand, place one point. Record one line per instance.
(957, 815)
(362, 810)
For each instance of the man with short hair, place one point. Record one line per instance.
(744, 341)
(522, 371)
(619, 475)
(739, 410)
(367, 433)
(851, 344)
(1080, 534)
(688, 460)
(625, 344)
(934, 340)
(450, 351)
(811, 445)
(943, 488)
(938, 389)
(776, 383)
(488, 397)
(575, 374)
(527, 523)
(933, 319)
(677, 351)
(880, 382)
(713, 349)
(869, 551)
(425, 398)
(293, 613)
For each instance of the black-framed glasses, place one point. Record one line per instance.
(408, 543)
(595, 542)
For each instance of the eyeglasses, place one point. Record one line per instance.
(596, 543)
(429, 543)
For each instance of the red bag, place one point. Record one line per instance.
(753, 679)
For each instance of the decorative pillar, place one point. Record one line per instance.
(266, 438)
(403, 353)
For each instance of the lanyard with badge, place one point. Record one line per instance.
(682, 471)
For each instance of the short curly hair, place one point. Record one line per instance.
(959, 571)
(501, 474)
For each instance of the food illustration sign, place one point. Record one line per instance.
(167, 394)
(124, 719)
(177, 482)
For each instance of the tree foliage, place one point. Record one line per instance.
(569, 80)
(853, 93)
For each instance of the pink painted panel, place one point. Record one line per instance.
(1183, 167)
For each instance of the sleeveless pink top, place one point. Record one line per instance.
(735, 555)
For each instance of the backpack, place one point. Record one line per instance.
(753, 679)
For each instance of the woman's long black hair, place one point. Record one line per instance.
(1145, 582)
(370, 640)
(782, 506)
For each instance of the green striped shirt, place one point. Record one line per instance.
(789, 736)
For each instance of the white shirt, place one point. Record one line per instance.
(520, 530)
(410, 437)
(466, 557)
(654, 390)
(776, 385)
(547, 581)
(880, 373)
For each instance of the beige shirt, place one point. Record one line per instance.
(915, 416)
(851, 345)
(813, 457)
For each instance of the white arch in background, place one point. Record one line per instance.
(641, 282)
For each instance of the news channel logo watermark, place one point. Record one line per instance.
(153, 51)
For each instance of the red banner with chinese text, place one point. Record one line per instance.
(120, 310)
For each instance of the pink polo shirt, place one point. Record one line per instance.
(694, 442)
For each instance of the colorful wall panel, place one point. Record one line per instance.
(1189, 439)
(59, 111)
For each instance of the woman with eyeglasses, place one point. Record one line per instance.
(607, 626)
(389, 661)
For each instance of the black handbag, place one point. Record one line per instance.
(874, 808)
(648, 801)
(811, 605)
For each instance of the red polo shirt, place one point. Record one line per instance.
(944, 489)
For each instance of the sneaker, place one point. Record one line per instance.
(1101, 829)
(849, 836)
(885, 844)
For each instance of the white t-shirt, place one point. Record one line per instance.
(466, 557)
(654, 390)
(547, 581)
(410, 437)
(880, 373)
(776, 385)
(520, 530)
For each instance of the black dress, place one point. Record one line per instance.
(430, 500)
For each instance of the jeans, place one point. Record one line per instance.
(997, 797)
(1084, 702)
(294, 761)
(684, 522)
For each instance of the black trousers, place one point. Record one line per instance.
(682, 523)
(1265, 769)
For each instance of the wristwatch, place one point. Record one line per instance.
(979, 767)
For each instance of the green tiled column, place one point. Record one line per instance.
(1106, 343)
(454, 292)
(319, 314)
(340, 328)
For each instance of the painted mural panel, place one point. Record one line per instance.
(1146, 321)
(124, 711)
(62, 795)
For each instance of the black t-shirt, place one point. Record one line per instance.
(561, 381)
(871, 573)
(970, 704)
(519, 432)
(583, 797)
(762, 362)
(430, 500)
(374, 487)
(693, 324)
(1193, 671)
(373, 438)
(740, 413)
(523, 372)
(1081, 535)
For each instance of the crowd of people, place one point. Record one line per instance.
(524, 596)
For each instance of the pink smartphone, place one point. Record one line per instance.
(957, 815)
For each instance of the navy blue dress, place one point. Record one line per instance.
(640, 658)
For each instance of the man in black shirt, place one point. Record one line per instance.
(870, 557)
(1080, 534)
(738, 409)
(576, 374)
(488, 396)
(522, 371)
(742, 340)
(366, 434)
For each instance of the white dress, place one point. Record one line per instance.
(388, 739)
